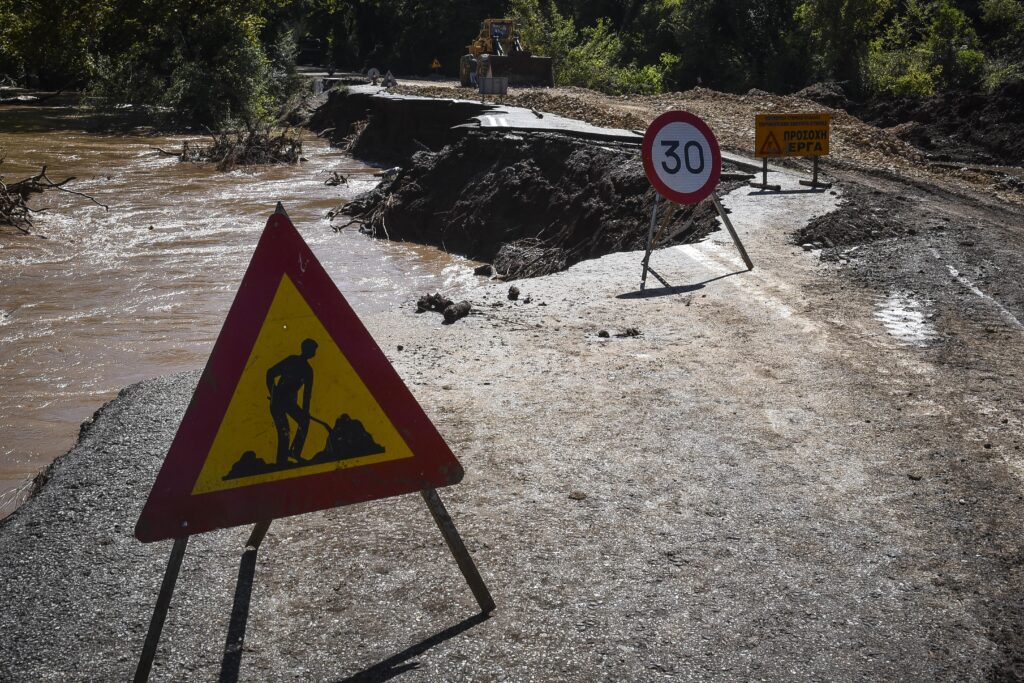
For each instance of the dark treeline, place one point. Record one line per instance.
(212, 61)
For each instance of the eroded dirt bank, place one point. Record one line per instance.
(531, 204)
(389, 130)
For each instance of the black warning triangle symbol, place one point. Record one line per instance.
(770, 147)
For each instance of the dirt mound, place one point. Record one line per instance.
(866, 215)
(975, 127)
(829, 93)
(531, 205)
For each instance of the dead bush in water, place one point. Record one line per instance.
(250, 146)
(14, 208)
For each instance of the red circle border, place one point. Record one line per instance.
(652, 175)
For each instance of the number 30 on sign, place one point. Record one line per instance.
(681, 157)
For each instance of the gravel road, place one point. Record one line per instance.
(782, 477)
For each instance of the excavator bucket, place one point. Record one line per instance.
(522, 69)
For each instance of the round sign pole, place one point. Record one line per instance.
(683, 162)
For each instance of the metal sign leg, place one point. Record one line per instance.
(163, 601)
(458, 549)
(650, 241)
(732, 232)
(763, 185)
(814, 180)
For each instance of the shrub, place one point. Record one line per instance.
(930, 48)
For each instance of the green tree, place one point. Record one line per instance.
(839, 32)
(929, 47)
(51, 43)
(1003, 24)
(204, 61)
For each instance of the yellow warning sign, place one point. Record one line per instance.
(436, 64)
(299, 406)
(791, 135)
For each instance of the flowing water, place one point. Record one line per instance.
(112, 297)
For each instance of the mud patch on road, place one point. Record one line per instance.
(865, 215)
(529, 204)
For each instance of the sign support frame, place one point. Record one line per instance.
(813, 182)
(437, 510)
(764, 184)
(163, 602)
(653, 239)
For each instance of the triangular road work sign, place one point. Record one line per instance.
(770, 147)
(297, 410)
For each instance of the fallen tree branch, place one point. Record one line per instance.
(14, 208)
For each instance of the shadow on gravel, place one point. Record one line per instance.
(652, 292)
(232, 662)
(397, 664)
(810, 190)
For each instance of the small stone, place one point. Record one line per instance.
(807, 246)
(914, 476)
(513, 293)
(485, 270)
(401, 348)
(578, 495)
(603, 334)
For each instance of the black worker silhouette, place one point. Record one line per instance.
(283, 382)
(347, 438)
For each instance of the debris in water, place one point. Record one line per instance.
(254, 145)
(336, 179)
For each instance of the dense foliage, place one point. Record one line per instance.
(210, 61)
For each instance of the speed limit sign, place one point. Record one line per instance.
(681, 157)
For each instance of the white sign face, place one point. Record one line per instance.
(681, 157)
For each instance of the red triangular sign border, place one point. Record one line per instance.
(173, 512)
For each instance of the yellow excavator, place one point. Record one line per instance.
(498, 52)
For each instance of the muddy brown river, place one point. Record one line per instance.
(112, 297)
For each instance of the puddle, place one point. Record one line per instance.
(907, 319)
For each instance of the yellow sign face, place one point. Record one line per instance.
(299, 408)
(791, 135)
